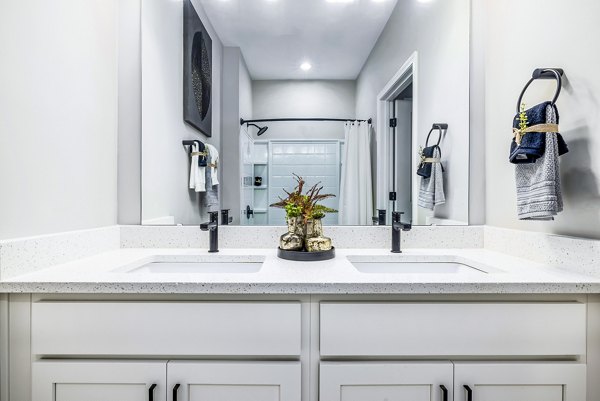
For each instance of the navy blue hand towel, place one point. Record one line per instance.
(202, 160)
(533, 144)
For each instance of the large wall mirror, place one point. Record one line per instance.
(369, 98)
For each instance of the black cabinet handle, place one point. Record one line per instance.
(469, 393)
(444, 393)
(151, 392)
(175, 389)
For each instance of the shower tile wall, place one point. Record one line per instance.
(315, 161)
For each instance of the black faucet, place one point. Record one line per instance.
(397, 227)
(213, 230)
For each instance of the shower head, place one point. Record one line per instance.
(261, 130)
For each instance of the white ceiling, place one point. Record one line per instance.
(276, 36)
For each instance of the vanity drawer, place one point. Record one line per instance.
(166, 328)
(449, 329)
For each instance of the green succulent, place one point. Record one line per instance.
(319, 212)
(306, 205)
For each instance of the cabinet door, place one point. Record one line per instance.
(98, 381)
(520, 382)
(416, 381)
(233, 381)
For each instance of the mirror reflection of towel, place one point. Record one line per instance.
(210, 198)
(431, 190)
(197, 180)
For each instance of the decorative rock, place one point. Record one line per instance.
(292, 240)
(315, 241)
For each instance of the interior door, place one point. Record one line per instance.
(233, 381)
(383, 381)
(520, 382)
(404, 160)
(98, 381)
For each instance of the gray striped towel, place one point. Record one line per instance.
(431, 191)
(539, 194)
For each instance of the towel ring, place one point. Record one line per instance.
(543, 73)
(440, 128)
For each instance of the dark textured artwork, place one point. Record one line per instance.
(197, 72)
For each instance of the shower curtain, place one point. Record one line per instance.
(356, 189)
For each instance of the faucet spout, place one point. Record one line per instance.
(397, 228)
(213, 231)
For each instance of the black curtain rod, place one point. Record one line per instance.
(264, 120)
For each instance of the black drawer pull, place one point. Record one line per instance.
(175, 389)
(151, 392)
(469, 393)
(444, 393)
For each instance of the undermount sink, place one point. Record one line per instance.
(395, 265)
(196, 265)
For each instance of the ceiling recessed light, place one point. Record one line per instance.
(305, 66)
(340, 1)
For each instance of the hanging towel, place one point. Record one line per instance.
(197, 180)
(539, 194)
(424, 168)
(193, 165)
(213, 163)
(209, 199)
(431, 191)
(532, 145)
(202, 160)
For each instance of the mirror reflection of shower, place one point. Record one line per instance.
(339, 163)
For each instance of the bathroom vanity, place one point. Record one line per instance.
(182, 324)
(298, 348)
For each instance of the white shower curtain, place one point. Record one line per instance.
(356, 189)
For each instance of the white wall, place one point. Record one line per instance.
(58, 115)
(439, 31)
(165, 164)
(237, 103)
(521, 36)
(304, 99)
(130, 113)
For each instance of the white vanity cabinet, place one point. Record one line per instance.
(544, 381)
(98, 381)
(306, 349)
(234, 381)
(258, 343)
(360, 381)
(550, 333)
(162, 381)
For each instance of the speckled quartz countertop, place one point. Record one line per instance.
(111, 272)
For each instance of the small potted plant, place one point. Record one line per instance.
(304, 216)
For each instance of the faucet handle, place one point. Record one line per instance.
(396, 216)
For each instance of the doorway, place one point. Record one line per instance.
(396, 144)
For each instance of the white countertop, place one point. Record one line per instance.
(108, 273)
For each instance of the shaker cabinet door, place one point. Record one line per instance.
(382, 381)
(98, 381)
(520, 381)
(233, 381)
